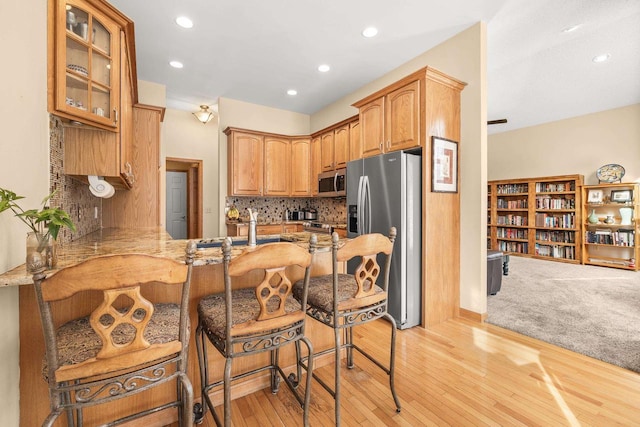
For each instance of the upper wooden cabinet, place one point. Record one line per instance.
(316, 163)
(355, 148)
(84, 57)
(327, 153)
(277, 166)
(301, 167)
(341, 146)
(391, 121)
(244, 163)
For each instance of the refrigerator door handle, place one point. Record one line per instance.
(367, 197)
(359, 207)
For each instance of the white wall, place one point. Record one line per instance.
(24, 164)
(579, 145)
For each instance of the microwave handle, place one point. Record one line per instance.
(335, 182)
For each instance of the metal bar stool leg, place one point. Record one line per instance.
(392, 361)
(348, 340)
(227, 392)
(204, 374)
(336, 390)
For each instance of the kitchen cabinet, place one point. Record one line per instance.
(237, 229)
(355, 148)
(292, 228)
(244, 162)
(341, 146)
(301, 173)
(316, 163)
(84, 57)
(326, 151)
(277, 166)
(390, 121)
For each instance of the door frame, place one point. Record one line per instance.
(193, 168)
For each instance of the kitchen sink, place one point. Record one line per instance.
(203, 244)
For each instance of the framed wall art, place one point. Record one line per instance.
(595, 196)
(444, 165)
(621, 196)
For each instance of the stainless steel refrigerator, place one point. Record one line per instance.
(385, 191)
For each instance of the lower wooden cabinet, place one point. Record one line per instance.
(242, 229)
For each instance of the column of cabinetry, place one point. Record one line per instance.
(244, 163)
(537, 217)
(338, 145)
(327, 151)
(277, 166)
(391, 121)
(316, 163)
(610, 215)
(301, 167)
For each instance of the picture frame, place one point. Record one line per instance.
(444, 165)
(621, 196)
(595, 196)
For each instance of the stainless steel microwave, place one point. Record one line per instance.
(332, 184)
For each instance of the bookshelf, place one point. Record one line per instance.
(537, 217)
(610, 225)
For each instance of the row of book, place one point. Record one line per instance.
(547, 202)
(556, 236)
(512, 204)
(519, 247)
(567, 220)
(512, 220)
(621, 237)
(548, 187)
(566, 252)
(511, 233)
(512, 188)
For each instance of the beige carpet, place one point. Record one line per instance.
(590, 310)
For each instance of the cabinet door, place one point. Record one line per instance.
(300, 167)
(126, 118)
(327, 153)
(86, 73)
(316, 164)
(277, 166)
(291, 228)
(269, 229)
(244, 164)
(341, 147)
(402, 125)
(355, 148)
(372, 127)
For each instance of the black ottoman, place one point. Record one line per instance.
(494, 271)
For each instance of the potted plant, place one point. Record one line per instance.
(44, 223)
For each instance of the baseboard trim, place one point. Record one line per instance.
(472, 315)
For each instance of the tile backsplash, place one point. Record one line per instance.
(272, 209)
(72, 196)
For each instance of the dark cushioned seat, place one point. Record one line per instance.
(245, 307)
(77, 341)
(494, 271)
(321, 290)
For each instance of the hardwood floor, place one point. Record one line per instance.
(461, 373)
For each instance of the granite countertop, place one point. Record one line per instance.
(152, 241)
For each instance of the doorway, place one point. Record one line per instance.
(184, 198)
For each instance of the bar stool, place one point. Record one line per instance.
(127, 344)
(342, 301)
(246, 321)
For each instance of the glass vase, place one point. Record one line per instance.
(42, 251)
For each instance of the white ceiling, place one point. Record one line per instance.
(255, 50)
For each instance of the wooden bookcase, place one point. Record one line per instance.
(611, 242)
(537, 217)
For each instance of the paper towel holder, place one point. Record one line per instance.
(100, 188)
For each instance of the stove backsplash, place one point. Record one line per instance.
(272, 209)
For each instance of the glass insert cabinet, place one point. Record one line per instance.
(87, 64)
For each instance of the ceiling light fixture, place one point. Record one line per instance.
(204, 115)
(601, 58)
(370, 32)
(323, 68)
(292, 92)
(184, 22)
(176, 64)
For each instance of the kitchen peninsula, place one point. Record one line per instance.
(207, 278)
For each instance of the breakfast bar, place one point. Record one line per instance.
(207, 278)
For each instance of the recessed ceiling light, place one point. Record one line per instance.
(571, 28)
(601, 58)
(176, 64)
(292, 92)
(370, 32)
(184, 22)
(323, 68)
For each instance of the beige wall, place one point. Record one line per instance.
(463, 57)
(579, 145)
(24, 165)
